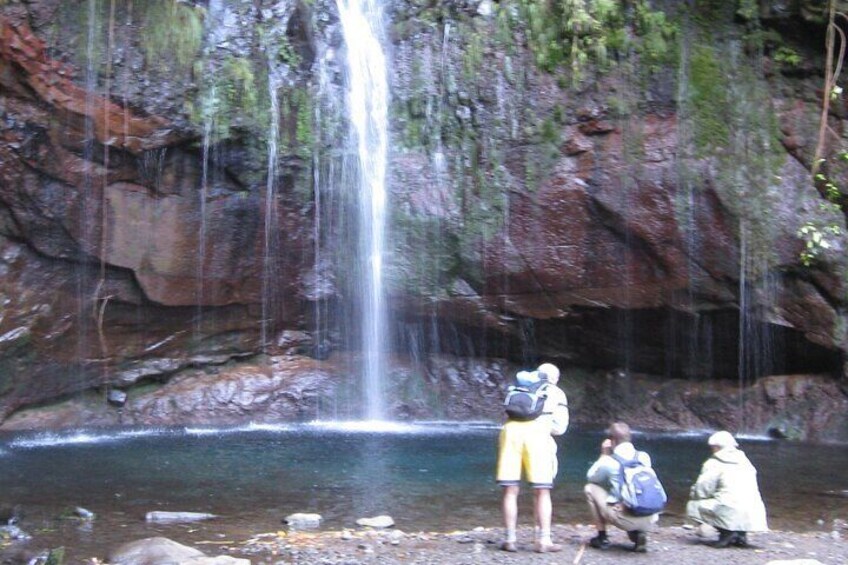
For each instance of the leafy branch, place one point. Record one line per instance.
(816, 234)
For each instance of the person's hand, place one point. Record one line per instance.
(606, 447)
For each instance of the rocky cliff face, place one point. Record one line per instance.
(631, 215)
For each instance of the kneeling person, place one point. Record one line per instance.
(726, 494)
(603, 491)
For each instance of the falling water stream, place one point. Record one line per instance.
(86, 200)
(268, 271)
(367, 96)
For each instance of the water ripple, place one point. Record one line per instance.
(83, 437)
(102, 436)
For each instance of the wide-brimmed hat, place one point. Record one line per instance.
(722, 439)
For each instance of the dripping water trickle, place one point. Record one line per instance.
(268, 271)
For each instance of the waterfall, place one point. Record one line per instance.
(367, 99)
(210, 108)
(201, 237)
(269, 274)
(698, 351)
(87, 245)
(324, 178)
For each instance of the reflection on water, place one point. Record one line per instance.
(431, 477)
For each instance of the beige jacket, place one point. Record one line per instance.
(726, 494)
(556, 410)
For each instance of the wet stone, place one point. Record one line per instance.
(303, 520)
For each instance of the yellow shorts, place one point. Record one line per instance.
(527, 446)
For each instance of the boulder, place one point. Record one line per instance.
(153, 551)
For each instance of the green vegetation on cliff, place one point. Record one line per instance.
(173, 33)
(577, 33)
(230, 95)
(709, 97)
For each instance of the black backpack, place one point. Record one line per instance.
(526, 402)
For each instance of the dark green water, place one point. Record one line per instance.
(434, 477)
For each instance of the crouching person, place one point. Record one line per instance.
(726, 494)
(604, 490)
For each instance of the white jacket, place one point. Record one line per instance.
(556, 410)
(726, 494)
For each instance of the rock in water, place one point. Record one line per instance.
(14, 533)
(171, 517)
(376, 522)
(302, 520)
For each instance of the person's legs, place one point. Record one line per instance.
(639, 539)
(510, 515)
(541, 467)
(510, 455)
(635, 526)
(726, 538)
(543, 509)
(596, 497)
(741, 539)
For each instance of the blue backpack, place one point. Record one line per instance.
(641, 491)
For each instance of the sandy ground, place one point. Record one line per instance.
(668, 545)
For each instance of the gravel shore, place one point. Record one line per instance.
(672, 545)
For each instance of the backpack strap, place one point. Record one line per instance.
(625, 463)
(542, 392)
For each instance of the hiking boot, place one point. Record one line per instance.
(600, 542)
(509, 546)
(640, 544)
(741, 539)
(548, 547)
(726, 538)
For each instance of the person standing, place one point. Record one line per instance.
(603, 491)
(726, 494)
(529, 446)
